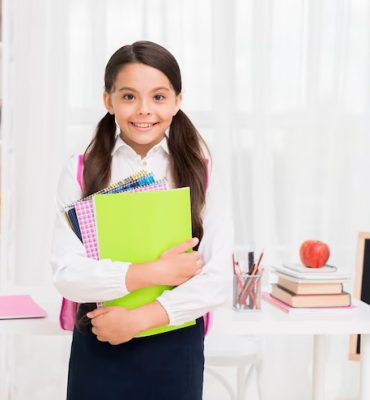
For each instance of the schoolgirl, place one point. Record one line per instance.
(144, 128)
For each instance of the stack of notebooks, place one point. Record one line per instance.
(302, 288)
(134, 220)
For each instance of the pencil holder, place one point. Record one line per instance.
(247, 292)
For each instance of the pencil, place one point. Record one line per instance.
(259, 261)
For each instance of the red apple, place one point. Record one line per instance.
(314, 254)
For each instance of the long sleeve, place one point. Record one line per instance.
(209, 289)
(76, 276)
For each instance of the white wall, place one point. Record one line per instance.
(279, 88)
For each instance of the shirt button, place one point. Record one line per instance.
(145, 163)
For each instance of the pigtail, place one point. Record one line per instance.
(96, 176)
(98, 158)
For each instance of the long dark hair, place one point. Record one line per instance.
(185, 144)
(187, 160)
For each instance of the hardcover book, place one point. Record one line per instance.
(310, 288)
(311, 300)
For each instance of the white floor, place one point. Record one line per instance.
(213, 390)
(43, 375)
(35, 368)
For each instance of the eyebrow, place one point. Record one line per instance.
(133, 90)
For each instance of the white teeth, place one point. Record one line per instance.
(142, 125)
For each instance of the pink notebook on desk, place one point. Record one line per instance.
(20, 306)
(300, 310)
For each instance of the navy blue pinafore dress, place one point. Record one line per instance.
(167, 366)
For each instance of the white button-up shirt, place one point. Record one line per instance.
(85, 280)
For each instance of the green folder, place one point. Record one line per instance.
(138, 227)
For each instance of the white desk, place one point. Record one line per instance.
(49, 299)
(272, 321)
(269, 321)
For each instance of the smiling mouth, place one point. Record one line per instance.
(143, 124)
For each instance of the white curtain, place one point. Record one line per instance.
(33, 134)
(280, 89)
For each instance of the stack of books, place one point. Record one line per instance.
(300, 287)
(135, 220)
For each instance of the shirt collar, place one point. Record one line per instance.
(121, 143)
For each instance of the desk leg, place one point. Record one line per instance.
(319, 361)
(6, 360)
(365, 368)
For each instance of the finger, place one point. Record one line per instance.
(101, 339)
(98, 311)
(94, 331)
(182, 247)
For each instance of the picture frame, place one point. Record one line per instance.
(361, 289)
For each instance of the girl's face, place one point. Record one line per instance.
(143, 102)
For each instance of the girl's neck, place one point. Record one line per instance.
(140, 149)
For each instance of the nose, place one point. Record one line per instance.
(143, 108)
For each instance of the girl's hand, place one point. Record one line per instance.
(114, 325)
(176, 266)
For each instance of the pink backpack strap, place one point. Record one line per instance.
(80, 170)
(208, 318)
(69, 308)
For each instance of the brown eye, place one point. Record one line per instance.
(128, 97)
(159, 97)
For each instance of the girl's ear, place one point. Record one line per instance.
(108, 103)
(178, 103)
